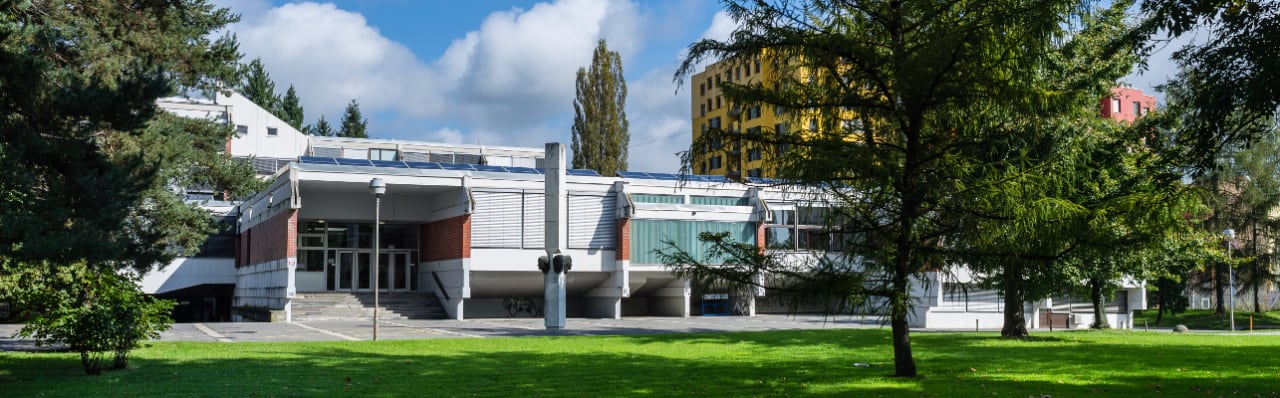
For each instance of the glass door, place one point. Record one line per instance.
(342, 274)
(393, 271)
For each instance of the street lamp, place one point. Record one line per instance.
(1231, 278)
(376, 187)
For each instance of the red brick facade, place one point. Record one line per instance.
(760, 238)
(446, 239)
(624, 239)
(273, 239)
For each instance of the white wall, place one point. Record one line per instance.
(287, 143)
(186, 272)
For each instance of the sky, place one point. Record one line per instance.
(491, 72)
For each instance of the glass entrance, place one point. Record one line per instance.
(394, 270)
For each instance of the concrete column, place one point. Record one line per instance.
(556, 235)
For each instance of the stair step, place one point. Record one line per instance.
(345, 306)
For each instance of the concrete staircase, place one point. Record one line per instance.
(328, 306)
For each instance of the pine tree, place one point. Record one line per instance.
(600, 136)
(321, 128)
(291, 110)
(258, 87)
(353, 125)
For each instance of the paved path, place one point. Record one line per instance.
(472, 328)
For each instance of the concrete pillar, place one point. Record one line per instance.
(556, 234)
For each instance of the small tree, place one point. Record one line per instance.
(258, 87)
(353, 124)
(321, 128)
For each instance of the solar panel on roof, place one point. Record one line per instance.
(633, 174)
(316, 160)
(484, 167)
(664, 176)
(389, 163)
(582, 172)
(424, 165)
(456, 166)
(354, 162)
(523, 170)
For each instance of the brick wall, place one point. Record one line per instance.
(273, 239)
(760, 237)
(446, 239)
(624, 239)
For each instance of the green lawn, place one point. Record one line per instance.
(1207, 320)
(821, 363)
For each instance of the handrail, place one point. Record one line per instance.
(440, 285)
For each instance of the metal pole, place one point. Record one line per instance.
(377, 236)
(1231, 279)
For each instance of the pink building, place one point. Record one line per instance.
(1126, 104)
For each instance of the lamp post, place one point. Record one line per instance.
(1231, 277)
(377, 188)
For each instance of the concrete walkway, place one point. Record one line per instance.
(357, 330)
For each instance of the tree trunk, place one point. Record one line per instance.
(1015, 317)
(1095, 295)
(1162, 288)
(904, 365)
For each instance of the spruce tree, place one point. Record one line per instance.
(321, 128)
(291, 110)
(353, 125)
(600, 136)
(258, 87)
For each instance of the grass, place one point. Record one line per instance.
(1207, 320)
(784, 363)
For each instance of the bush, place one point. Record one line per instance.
(107, 315)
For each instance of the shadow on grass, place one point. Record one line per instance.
(812, 363)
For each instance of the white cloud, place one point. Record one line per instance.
(508, 78)
(660, 124)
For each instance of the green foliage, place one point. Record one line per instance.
(353, 124)
(92, 313)
(258, 87)
(321, 128)
(600, 127)
(291, 110)
(905, 96)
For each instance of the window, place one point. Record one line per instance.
(709, 104)
(799, 229)
(704, 127)
(709, 86)
(756, 172)
(242, 130)
(272, 131)
(717, 102)
(382, 154)
(737, 73)
(702, 89)
(748, 71)
(715, 163)
(1115, 105)
(716, 143)
(1137, 106)
(757, 66)
(703, 110)
(715, 122)
(717, 79)
(754, 154)
(813, 124)
(753, 112)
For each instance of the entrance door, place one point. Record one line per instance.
(352, 272)
(393, 271)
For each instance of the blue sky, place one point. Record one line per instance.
(487, 72)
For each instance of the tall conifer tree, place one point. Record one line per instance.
(291, 110)
(600, 135)
(353, 124)
(258, 87)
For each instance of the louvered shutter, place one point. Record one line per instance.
(534, 220)
(495, 222)
(592, 224)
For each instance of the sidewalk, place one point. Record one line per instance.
(358, 330)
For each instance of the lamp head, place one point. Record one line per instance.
(377, 187)
(1229, 233)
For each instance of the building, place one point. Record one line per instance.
(1126, 104)
(461, 228)
(711, 111)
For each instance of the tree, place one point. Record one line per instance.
(321, 128)
(258, 87)
(290, 110)
(78, 88)
(922, 74)
(600, 135)
(353, 125)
